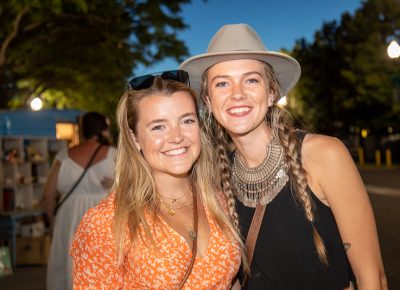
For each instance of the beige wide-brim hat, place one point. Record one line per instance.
(240, 41)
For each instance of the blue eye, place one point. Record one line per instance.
(157, 128)
(189, 121)
(253, 81)
(221, 84)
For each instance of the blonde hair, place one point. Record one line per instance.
(283, 130)
(134, 187)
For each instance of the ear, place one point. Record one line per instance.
(271, 98)
(135, 140)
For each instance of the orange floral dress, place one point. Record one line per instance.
(95, 260)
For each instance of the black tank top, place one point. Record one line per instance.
(285, 256)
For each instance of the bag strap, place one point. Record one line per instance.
(79, 180)
(194, 246)
(253, 233)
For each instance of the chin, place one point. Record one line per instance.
(238, 133)
(179, 174)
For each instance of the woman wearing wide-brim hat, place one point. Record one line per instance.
(317, 226)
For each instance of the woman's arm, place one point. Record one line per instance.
(236, 285)
(335, 179)
(50, 189)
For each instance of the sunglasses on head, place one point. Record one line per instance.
(145, 82)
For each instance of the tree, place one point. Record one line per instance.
(80, 53)
(347, 75)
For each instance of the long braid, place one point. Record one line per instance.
(219, 137)
(225, 174)
(222, 145)
(285, 132)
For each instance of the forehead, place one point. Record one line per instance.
(166, 106)
(237, 67)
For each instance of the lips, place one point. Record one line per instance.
(176, 152)
(239, 111)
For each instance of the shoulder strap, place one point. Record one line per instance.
(254, 230)
(194, 245)
(79, 180)
(300, 134)
(253, 233)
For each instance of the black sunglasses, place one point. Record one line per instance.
(145, 82)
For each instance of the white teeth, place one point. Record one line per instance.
(239, 110)
(176, 151)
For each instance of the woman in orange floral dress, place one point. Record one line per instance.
(167, 224)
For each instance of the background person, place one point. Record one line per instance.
(318, 216)
(166, 211)
(68, 166)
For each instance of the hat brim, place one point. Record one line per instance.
(287, 69)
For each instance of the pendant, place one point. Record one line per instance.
(192, 235)
(171, 211)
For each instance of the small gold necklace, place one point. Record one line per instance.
(175, 204)
(191, 227)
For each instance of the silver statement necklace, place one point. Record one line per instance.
(261, 183)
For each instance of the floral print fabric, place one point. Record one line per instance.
(95, 259)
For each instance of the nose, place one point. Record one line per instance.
(176, 135)
(237, 91)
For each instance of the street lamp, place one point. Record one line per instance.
(36, 104)
(393, 49)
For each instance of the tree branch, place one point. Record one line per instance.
(12, 35)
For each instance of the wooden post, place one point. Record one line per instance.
(378, 159)
(361, 160)
(388, 158)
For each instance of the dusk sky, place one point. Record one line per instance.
(278, 22)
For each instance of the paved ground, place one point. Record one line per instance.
(384, 187)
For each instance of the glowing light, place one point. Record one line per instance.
(36, 104)
(390, 130)
(282, 102)
(393, 49)
(364, 133)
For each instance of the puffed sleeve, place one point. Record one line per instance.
(61, 155)
(94, 253)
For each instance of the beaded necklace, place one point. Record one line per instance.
(263, 182)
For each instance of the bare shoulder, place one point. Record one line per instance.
(323, 149)
(329, 166)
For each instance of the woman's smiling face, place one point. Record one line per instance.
(238, 95)
(168, 133)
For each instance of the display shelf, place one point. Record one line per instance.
(24, 166)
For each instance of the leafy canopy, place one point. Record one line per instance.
(79, 53)
(347, 78)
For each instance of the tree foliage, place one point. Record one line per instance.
(80, 53)
(347, 77)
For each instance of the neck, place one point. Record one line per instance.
(171, 186)
(91, 140)
(251, 146)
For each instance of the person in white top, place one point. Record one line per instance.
(68, 166)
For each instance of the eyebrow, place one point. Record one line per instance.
(156, 121)
(228, 76)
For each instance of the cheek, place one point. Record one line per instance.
(194, 137)
(216, 106)
(151, 144)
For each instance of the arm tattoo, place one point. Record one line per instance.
(346, 246)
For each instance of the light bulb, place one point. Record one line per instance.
(393, 49)
(36, 104)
